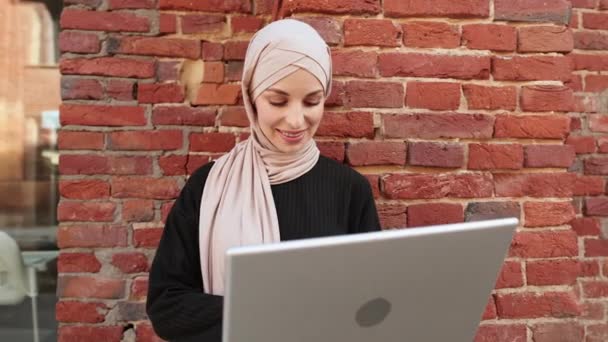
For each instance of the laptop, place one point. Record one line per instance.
(417, 284)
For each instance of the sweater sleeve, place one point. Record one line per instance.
(177, 306)
(363, 213)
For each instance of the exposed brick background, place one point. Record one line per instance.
(454, 110)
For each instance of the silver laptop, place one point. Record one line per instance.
(417, 284)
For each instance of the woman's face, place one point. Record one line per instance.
(289, 112)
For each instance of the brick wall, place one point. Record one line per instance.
(455, 110)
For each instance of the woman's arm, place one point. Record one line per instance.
(176, 304)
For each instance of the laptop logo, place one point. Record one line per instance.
(373, 312)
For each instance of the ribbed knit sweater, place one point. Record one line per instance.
(330, 199)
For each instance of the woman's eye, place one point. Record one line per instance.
(278, 104)
(312, 103)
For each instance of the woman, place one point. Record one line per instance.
(273, 187)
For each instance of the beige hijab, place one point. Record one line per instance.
(237, 207)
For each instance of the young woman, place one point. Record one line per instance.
(273, 187)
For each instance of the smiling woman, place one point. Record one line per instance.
(273, 187)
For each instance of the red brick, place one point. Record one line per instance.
(490, 310)
(596, 83)
(545, 39)
(590, 40)
(85, 3)
(438, 8)
(430, 186)
(501, 333)
(489, 37)
(212, 142)
(337, 95)
(329, 28)
(434, 213)
(121, 90)
(172, 165)
(78, 262)
(183, 116)
(86, 211)
(213, 72)
(130, 262)
(596, 166)
(139, 288)
(146, 140)
(376, 153)
(202, 23)
(131, 4)
(534, 184)
(155, 46)
(248, 24)
(595, 21)
(75, 333)
(546, 244)
(436, 154)
(206, 5)
(590, 268)
(510, 275)
(536, 305)
(593, 311)
(532, 126)
(392, 216)
(541, 214)
(556, 332)
(334, 7)
(167, 23)
(94, 164)
(80, 140)
(101, 115)
(549, 156)
(433, 95)
(145, 333)
(349, 124)
(598, 123)
(355, 63)
(596, 62)
(217, 94)
(212, 51)
(437, 66)
(234, 116)
(233, 71)
(477, 211)
(363, 94)
(596, 248)
(595, 289)
(373, 32)
(531, 68)
(495, 156)
(147, 237)
(552, 272)
(576, 83)
(81, 89)
(78, 312)
(160, 93)
(145, 187)
(603, 5)
(235, 50)
(332, 149)
(425, 34)
(586, 226)
(543, 98)
(79, 42)
(557, 11)
(482, 97)
(596, 206)
(196, 161)
(432, 126)
(374, 181)
(108, 66)
(103, 21)
(589, 185)
(91, 236)
(584, 3)
(84, 189)
(137, 210)
(90, 287)
(581, 144)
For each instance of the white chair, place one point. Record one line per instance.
(17, 280)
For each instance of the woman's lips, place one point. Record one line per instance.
(292, 136)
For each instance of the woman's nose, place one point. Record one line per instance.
(295, 118)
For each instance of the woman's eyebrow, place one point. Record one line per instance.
(279, 91)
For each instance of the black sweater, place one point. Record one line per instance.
(330, 199)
